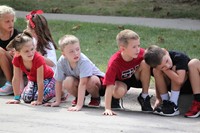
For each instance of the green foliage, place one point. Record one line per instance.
(141, 8)
(98, 40)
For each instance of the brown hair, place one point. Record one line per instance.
(43, 33)
(153, 55)
(18, 42)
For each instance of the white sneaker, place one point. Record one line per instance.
(6, 89)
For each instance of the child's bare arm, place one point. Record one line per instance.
(40, 83)
(16, 85)
(108, 98)
(81, 94)
(176, 76)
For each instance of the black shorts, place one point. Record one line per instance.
(132, 82)
(185, 89)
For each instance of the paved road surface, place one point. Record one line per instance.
(184, 24)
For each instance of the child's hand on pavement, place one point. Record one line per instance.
(13, 102)
(109, 112)
(36, 103)
(76, 108)
(54, 104)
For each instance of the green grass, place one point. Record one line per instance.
(141, 8)
(98, 40)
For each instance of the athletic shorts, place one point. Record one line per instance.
(185, 89)
(132, 82)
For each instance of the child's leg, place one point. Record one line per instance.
(120, 89)
(194, 75)
(143, 74)
(71, 85)
(6, 64)
(161, 84)
(93, 86)
(29, 92)
(6, 67)
(49, 89)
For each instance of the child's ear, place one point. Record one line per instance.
(17, 53)
(165, 50)
(121, 48)
(62, 53)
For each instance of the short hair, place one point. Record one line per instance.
(153, 55)
(18, 42)
(125, 35)
(66, 40)
(6, 10)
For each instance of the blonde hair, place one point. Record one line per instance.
(125, 35)
(6, 10)
(66, 40)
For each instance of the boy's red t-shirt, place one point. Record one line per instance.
(118, 69)
(38, 61)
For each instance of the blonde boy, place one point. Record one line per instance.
(76, 73)
(126, 68)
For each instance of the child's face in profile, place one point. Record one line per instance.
(133, 48)
(72, 52)
(7, 22)
(27, 51)
(166, 62)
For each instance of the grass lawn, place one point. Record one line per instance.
(141, 8)
(98, 40)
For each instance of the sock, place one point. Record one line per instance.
(165, 96)
(144, 95)
(174, 96)
(197, 97)
(8, 83)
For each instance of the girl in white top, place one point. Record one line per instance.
(38, 26)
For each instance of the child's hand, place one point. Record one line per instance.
(76, 108)
(36, 103)
(54, 104)
(13, 102)
(109, 112)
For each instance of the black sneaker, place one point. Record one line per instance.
(145, 103)
(168, 108)
(115, 104)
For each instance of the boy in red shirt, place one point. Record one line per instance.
(126, 68)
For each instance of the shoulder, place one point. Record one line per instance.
(38, 57)
(177, 54)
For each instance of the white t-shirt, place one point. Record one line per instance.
(84, 68)
(51, 53)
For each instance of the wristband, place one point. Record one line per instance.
(17, 97)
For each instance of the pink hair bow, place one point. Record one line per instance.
(30, 16)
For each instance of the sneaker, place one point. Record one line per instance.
(6, 89)
(94, 102)
(168, 108)
(194, 110)
(74, 102)
(145, 103)
(115, 104)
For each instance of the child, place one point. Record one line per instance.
(41, 84)
(126, 68)
(170, 73)
(194, 74)
(38, 26)
(77, 74)
(7, 33)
